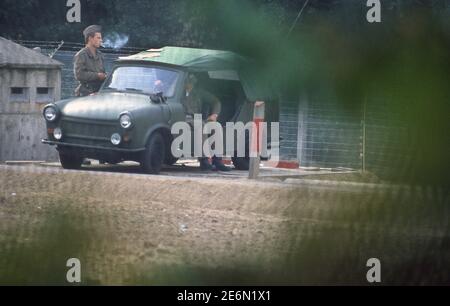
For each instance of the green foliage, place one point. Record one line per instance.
(188, 23)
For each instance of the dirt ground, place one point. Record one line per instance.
(129, 228)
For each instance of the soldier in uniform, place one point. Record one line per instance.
(88, 66)
(88, 63)
(194, 102)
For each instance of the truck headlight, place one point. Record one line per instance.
(116, 139)
(50, 113)
(57, 133)
(125, 120)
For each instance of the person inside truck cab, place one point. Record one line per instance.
(194, 101)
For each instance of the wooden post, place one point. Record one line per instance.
(256, 139)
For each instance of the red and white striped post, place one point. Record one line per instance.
(256, 139)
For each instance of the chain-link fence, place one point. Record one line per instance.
(368, 135)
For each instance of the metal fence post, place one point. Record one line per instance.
(256, 139)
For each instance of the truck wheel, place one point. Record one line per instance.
(241, 163)
(70, 160)
(169, 159)
(153, 156)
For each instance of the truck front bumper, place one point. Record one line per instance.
(90, 147)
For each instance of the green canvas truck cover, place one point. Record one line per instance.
(255, 84)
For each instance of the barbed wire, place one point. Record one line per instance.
(72, 46)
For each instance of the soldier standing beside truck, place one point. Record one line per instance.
(88, 66)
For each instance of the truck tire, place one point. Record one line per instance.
(154, 154)
(70, 160)
(170, 159)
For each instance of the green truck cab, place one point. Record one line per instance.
(130, 118)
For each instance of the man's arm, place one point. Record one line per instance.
(212, 101)
(80, 71)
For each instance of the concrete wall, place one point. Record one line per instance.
(31, 79)
(21, 123)
(21, 138)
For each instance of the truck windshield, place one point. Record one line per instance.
(143, 79)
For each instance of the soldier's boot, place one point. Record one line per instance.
(218, 164)
(86, 162)
(204, 164)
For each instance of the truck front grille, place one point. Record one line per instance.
(87, 132)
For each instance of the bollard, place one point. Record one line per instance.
(256, 139)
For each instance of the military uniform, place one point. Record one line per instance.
(87, 66)
(86, 69)
(195, 102)
(197, 99)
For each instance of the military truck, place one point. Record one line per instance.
(130, 118)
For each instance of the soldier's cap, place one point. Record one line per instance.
(92, 29)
